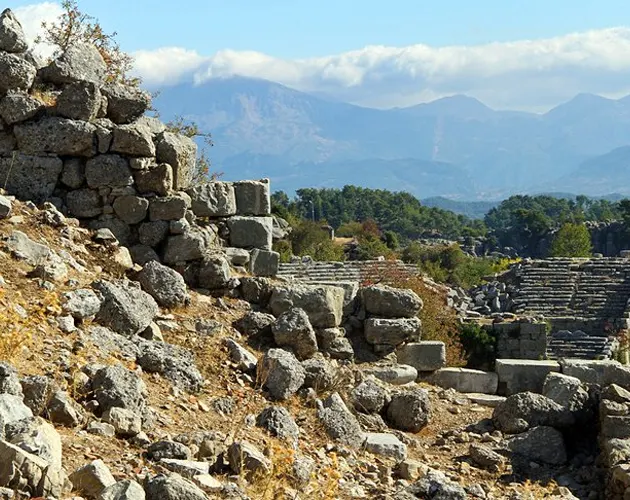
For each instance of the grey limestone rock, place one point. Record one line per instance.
(279, 422)
(29, 177)
(251, 232)
(409, 410)
(56, 135)
(339, 422)
(12, 38)
(172, 487)
(213, 199)
(131, 209)
(293, 329)
(108, 171)
(80, 62)
(17, 107)
(125, 103)
(388, 302)
(524, 410)
(79, 101)
(323, 304)
(15, 73)
(282, 373)
(179, 152)
(164, 284)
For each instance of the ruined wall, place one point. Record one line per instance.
(520, 340)
(69, 137)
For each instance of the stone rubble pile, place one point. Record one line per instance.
(70, 137)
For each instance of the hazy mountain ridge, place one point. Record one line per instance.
(455, 147)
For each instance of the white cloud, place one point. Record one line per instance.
(528, 74)
(31, 18)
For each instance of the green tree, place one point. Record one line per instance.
(571, 240)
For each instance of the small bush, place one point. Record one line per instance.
(480, 345)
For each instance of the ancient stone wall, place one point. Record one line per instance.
(520, 340)
(70, 137)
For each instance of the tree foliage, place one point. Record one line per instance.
(571, 240)
(75, 26)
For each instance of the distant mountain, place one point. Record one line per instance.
(455, 146)
(472, 209)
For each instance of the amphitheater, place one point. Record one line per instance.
(585, 302)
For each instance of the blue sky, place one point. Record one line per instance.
(516, 54)
(302, 28)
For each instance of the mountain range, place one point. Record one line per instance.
(455, 147)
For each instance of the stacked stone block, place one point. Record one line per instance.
(69, 136)
(521, 340)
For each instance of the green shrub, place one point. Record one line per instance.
(572, 240)
(480, 346)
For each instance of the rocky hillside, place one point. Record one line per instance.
(149, 351)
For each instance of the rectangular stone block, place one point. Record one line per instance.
(251, 232)
(520, 375)
(613, 426)
(588, 371)
(392, 332)
(213, 199)
(252, 197)
(466, 380)
(264, 262)
(425, 356)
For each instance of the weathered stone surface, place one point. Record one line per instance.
(17, 107)
(409, 410)
(214, 272)
(25, 471)
(79, 62)
(141, 254)
(566, 391)
(167, 208)
(131, 209)
(251, 232)
(386, 445)
(393, 374)
(264, 262)
(123, 490)
(84, 203)
(179, 152)
(164, 284)
(484, 457)
(12, 38)
(282, 373)
(56, 135)
(79, 101)
(125, 309)
(5, 207)
(126, 422)
(323, 304)
(133, 139)
(189, 246)
(108, 171)
(466, 380)
(92, 479)
(82, 303)
(252, 197)
(392, 332)
(12, 409)
(63, 410)
(339, 422)
(30, 177)
(387, 302)
(370, 397)
(8, 143)
(36, 436)
(125, 103)
(540, 444)
(319, 373)
(37, 391)
(279, 422)
(47, 264)
(257, 290)
(520, 375)
(213, 199)
(158, 180)
(426, 356)
(522, 411)
(9, 381)
(255, 323)
(172, 487)
(237, 256)
(15, 73)
(187, 468)
(73, 173)
(153, 233)
(293, 329)
(171, 361)
(244, 359)
(115, 386)
(436, 485)
(168, 449)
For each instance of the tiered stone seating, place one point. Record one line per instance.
(580, 346)
(332, 272)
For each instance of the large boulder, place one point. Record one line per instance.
(126, 309)
(252, 197)
(9, 380)
(83, 203)
(525, 410)
(566, 391)
(116, 386)
(180, 152)
(323, 304)
(36, 436)
(12, 409)
(32, 178)
(392, 332)
(213, 199)
(15, 73)
(192, 245)
(58, 136)
(251, 232)
(164, 284)
(16, 107)
(12, 38)
(79, 101)
(158, 180)
(387, 302)
(539, 444)
(282, 373)
(409, 410)
(279, 422)
(172, 487)
(125, 103)
(214, 272)
(339, 422)
(110, 171)
(79, 62)
(131, 209)
(293, 329)
(133, 139)
(370, 396)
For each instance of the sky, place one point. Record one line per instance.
(511, 54)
